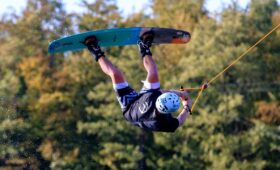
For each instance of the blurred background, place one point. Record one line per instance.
(60, 112)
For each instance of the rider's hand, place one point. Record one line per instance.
(184, 95)
(187, 104)
(184, 102)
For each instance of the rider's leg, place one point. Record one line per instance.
(151, 68)
(106, 66)
(144, 44)
(125, 94)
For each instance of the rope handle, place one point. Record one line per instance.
(204, 86)
(201, 89)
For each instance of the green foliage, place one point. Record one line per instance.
(99, 15)
(60, 112)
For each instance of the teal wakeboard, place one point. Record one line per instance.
(119, 37)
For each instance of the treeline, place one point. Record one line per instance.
(60, 112)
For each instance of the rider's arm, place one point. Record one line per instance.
(186, 101)
(178, 92)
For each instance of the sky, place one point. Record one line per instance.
(126, 6)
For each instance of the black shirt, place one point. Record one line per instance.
(143, 113)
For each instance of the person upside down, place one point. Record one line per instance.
(152, 107)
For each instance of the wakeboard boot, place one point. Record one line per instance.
(145, 42)
(92, 44)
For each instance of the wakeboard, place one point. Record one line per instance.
(119, 37)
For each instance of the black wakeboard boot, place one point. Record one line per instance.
(145, 43)
(92, 44)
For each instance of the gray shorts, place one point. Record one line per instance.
(127, 95)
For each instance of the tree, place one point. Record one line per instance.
(25, 39)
